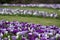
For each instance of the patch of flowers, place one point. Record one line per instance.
(34, 5)
(28, 12)
(27, 31)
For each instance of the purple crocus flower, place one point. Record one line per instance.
(31, 37)
(42, 38)
(7, 22)
(15, 27)
(27, 25)
(0, 31)
(40, 31)
(22, 32)
(52, 38)
(15, 31)
(13, 37)
(32, 31)
(0, 38)
(23, 38)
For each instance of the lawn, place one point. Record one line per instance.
(36, 20)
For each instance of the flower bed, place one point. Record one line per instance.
(27, 31)
(27, 12)
(34, 5)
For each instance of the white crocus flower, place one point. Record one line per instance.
(4, 29)
(37, 39)
(39, 35)
(7, 21)
(46, 36)
(2, 39)
(29, 28)
(35, 13)
(30, 33)
(1, 34)
(51, 15)
(32, 30)
(50, 33)
(25, 27)
(55, 15)
(20, 29)
(9, 37)
(57, 35)
(6, 32)
(18, 34)
(36, 33)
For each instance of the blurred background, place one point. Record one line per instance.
(30, 1)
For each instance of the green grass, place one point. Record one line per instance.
(35, 20)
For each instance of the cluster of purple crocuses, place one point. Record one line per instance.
(27, 31)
